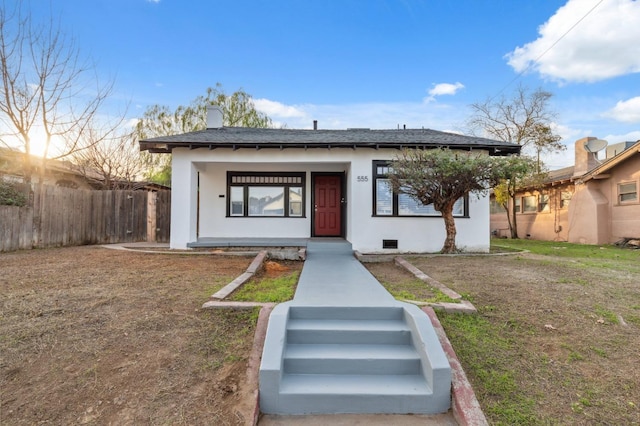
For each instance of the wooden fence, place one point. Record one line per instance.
(66, 217)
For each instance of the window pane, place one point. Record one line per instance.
(565, 199)
(628, 192)
(529, 204)
(496, 207)
(295, 201)
(544, 203)
(458, 207)
(384, 198)
(266, 201)
(407, 206)
(237, 201)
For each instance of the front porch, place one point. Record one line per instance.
(212, 242)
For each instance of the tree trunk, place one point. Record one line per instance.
(450, 226)
(512, 223)
(505, 206)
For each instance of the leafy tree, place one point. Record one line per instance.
(238, 110)
(44, 85)
(518, 171)
(442, 176)
(525, 119)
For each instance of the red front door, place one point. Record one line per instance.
(327, 196)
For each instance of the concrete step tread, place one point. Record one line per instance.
(350, 351)
(342, 384)
(333, 324)
(347, 312)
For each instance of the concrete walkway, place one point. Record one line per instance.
(332, 276)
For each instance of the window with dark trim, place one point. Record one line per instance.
(386, 203)
(261, 194)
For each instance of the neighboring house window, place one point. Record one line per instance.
(518, 205)
(543, 203)
(265, 194)
(495, 207)
(529, 204)
(565, 199)
(386, 203)
(627, 192)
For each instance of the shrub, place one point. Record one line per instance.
(12, 195)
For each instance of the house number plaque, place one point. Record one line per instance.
(362, 178)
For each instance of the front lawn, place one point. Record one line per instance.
(557, 334)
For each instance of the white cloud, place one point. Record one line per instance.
(603, 45)
(153, 1)
(276, 109)
(625, 137)
(566, 158)
(626, 111)
(443, 89)
(369, 115)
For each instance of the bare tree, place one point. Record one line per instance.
(45, 85)
(516, 119)
(525, 119)
(109, 161)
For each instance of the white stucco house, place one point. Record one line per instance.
(233, 182)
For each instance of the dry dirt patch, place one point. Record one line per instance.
(572, 331)
(96, 336)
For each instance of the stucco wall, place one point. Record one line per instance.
(364, 231)
(625, 218)
(589, 218)
(594, 216)
(551, 225)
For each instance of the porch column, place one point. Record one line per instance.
(184, 200)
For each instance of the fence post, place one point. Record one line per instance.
(152, 198)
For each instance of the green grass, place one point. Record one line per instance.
(562, 249)
(485, 353)
(413, 289)
(264, 290)
(608, 316)
(513, 361)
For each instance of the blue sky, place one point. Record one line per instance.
(375, 63)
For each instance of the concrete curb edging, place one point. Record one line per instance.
(255, 266)
(464, 306)
(466, 408)
(253, 366)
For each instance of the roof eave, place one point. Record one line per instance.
(612, 162)
(167, 147)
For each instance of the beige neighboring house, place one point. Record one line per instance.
(63, 173)
(58, 173)
(594, 202)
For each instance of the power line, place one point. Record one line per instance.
(536, 60)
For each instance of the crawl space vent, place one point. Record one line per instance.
(389, 244)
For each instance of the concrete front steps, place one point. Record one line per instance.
(344, 359)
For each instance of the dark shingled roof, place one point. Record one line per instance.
(243, 137)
